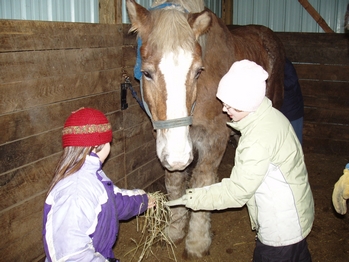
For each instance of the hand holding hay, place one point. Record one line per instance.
(152, 227)
(151, 201)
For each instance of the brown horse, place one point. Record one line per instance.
(180, 72)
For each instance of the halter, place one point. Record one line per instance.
(161, 124)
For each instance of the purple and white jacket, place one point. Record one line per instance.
(82, 213)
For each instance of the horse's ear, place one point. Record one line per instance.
(200, 22)
(138, 15)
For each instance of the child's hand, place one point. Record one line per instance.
(151, 201)
(341, 192)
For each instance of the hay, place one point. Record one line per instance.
(152, 225)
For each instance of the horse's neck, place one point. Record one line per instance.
(219, 47)
(192, 6)
(219, 34)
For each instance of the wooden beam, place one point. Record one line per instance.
(227, 11)
(110, 11)
(317, 17)
(118, 11)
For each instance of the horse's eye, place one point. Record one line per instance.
(198, 72)
(146, 74)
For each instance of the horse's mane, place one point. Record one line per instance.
(174, 23)
(172, 30)
(192, 6)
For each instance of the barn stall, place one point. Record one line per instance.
(49, 69)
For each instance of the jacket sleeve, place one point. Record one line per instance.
(251, 166)
(130, 203)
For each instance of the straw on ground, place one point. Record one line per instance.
(152, 226)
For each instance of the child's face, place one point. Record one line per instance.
(104, 152)
(234, 114)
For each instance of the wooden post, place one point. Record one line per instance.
(118, 11)
(317, 17)
(110, 11)
(227, 11)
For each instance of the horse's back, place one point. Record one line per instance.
(267, 50)
(251, 39)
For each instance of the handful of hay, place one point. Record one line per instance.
(152, 227)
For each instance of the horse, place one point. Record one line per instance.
(186, 49)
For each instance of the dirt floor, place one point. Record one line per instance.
(233, 239)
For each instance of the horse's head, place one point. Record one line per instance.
(171, 65)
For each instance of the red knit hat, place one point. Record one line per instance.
(86, 127)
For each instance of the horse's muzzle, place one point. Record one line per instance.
(176, 165)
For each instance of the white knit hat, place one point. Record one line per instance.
(243, 87)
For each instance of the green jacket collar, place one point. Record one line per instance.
(252, 118)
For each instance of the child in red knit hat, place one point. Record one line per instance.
(83, 206)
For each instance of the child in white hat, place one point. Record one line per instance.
(269, 174)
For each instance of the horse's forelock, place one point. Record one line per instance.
(171, 31)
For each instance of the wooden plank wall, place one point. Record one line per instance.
(322, 64)
(48, 70)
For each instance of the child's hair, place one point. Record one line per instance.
(71, 161)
